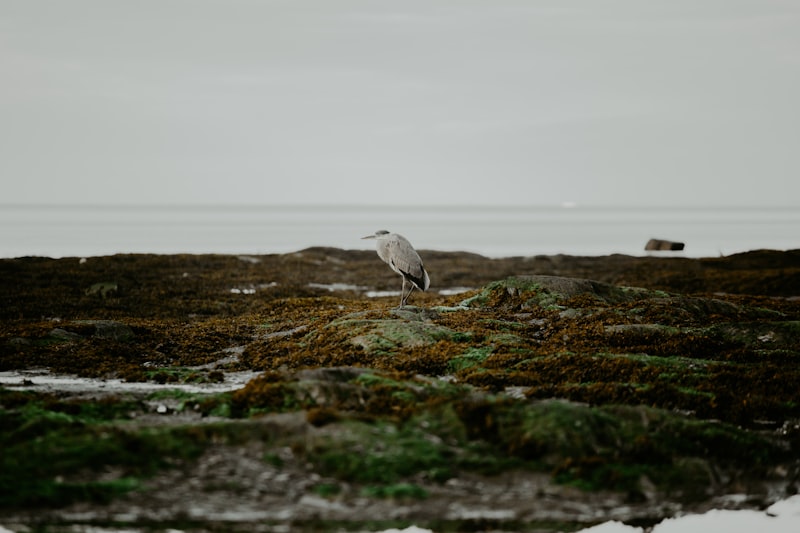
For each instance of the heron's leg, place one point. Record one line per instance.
(402, 294)
(405, 301)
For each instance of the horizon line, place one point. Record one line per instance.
(297, 205)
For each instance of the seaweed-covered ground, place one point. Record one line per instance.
(545, 393)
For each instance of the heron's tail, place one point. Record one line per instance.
(421, 282)
(426, 281)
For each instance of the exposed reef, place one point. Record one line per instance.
(542, 393)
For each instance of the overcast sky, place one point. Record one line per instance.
(674, 102)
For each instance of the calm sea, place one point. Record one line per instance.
(81, 231)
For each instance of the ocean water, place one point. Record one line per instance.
(82, 231)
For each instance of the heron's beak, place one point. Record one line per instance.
(368, 237)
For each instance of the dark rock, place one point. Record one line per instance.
(110, 329)
(19, 342)
(64, 335)
(659, 245)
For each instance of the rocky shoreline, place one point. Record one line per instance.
(545, 393)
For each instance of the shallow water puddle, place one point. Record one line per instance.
(781, 517)
(44, 381)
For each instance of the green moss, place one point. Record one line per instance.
(771, 335)
(506, 339)
(643, 331)
(370, 379)
(636, 293)
(23, 410)
(472, 357)
(39, 471)
(217, 404)
(54, 492)
(396, 491)
(564, 428)
(597, 447)
(379, 453)
(504, 325)
(480, 299)
(387, 336)
(327, 490)
(54, 450)
(597, 473)
(684, 372)
(273, 459)
(462, 336)
(434, 445)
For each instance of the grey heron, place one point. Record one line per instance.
(397, 252)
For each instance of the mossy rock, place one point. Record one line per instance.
(576, 298)
(524, 292)
(765, 335)
(592, 383)
(380, 336)
(344, 389)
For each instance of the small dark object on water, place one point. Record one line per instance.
(659, 245)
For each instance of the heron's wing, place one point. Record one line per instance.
(404, 259)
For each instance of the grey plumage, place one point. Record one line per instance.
(397, 252)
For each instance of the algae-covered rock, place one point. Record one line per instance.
(437, 430)
(61, 334)
(388, 335)
(385, 335)
(651, 400)
(550, 291)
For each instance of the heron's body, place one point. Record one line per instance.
(397, 252)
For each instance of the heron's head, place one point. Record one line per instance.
(377, 235)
